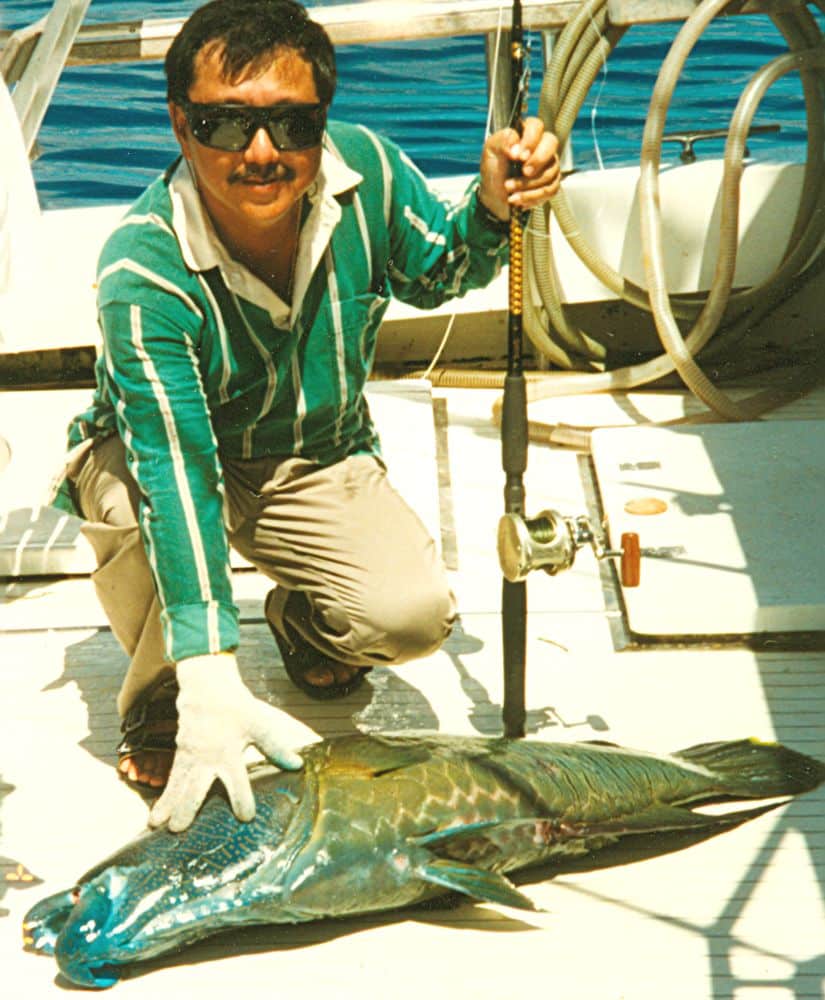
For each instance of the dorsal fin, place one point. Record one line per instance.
(371, 756)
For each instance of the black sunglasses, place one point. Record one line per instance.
(230, 127)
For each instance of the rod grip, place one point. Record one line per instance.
(514, 644)
(514, 441)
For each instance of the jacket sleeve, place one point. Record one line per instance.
(437, 250)
(163, 418)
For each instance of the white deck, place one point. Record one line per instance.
(741, 916)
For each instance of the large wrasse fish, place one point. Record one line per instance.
(376, 822)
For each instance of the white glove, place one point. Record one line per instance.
(218, 718)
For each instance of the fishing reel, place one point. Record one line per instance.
(550, 542)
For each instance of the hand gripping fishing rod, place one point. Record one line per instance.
(549, 541)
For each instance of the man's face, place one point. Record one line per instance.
(250, 190)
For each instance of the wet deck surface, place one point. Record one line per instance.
(740, 916)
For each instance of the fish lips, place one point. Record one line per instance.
(45, 920)
(84, 945)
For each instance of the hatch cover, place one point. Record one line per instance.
(731, 521)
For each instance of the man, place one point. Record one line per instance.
(239, 303)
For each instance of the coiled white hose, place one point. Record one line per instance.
(805, 41)
(578, 56)
(680, 352)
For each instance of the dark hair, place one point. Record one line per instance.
(249, 32)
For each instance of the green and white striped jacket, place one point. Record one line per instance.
(201, 359)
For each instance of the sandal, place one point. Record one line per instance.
(299, 656)
(140, 724)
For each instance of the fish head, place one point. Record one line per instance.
(128, 914)
(167, 889)
(107, 925)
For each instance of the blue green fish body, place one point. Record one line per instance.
(375, 823)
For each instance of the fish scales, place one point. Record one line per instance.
(377, 822)
(603, 778)
(421, 796)
(368, 822)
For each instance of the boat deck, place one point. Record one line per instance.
(741, 916)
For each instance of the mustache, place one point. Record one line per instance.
(262, 174)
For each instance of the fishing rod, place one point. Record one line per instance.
(551, 540)
(514, 431)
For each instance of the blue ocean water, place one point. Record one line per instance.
(106, 135)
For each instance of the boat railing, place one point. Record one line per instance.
(368, 22)
(378, 21)
(353, 23)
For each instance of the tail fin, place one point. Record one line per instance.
(753, 770)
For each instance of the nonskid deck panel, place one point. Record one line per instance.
(742, 916)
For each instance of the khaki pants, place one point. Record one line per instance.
(374, 587)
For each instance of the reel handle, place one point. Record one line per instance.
(630, 563)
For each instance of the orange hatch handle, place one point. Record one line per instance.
(631, 561)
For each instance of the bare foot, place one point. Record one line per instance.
(149, 767)
(329, 673)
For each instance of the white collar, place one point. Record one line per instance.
(203, 250)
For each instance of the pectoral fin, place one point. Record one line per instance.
(490, 886)
(452, 833)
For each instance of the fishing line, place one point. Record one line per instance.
(488, 129)
(440, 348)
(523, 80)
(594, 111)
(523, 85)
